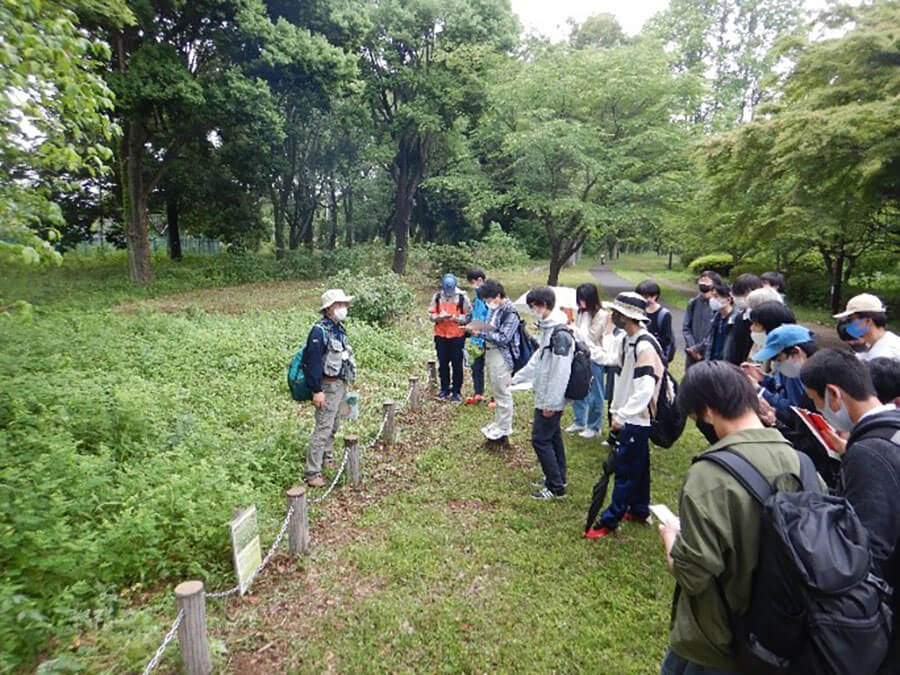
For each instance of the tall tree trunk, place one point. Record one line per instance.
(556, 263)
(837, 281)
(347, 198)
(408, 170)
(173, 235)
(332, 215)
(278, 214)
(402, 208)
(669, 264)
(137, 237)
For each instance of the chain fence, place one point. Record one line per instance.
(154, 662)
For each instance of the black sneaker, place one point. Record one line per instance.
(455, 399)
(443, 396)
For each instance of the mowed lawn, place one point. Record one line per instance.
(440, 563)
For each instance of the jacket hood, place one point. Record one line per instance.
(556, 318)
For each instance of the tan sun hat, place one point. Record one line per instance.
(864, 302)
(334, 295)
(630, 304)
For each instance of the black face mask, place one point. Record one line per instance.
(705, 288)
(618, 321)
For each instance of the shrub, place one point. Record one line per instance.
(717, 262)
(380, 298)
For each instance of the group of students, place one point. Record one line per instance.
(752, 372)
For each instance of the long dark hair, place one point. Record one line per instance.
(588, 294)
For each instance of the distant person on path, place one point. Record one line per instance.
(635, 393)
(589, 327)
(330, 370)
(698, 317)
(548, 370)
(450, 310)
(773, 280)
(480, 312)
(868, 321)
(842, 390)
(501, 348)
(714, 548)
(660, 325)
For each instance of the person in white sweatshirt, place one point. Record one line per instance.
(634, 398)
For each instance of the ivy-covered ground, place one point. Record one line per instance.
(131, 426)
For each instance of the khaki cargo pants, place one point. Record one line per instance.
(321, 444)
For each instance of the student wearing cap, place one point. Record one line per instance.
(329, 369)
(450, 310)
(788, 347)
(635, 393)
(868, 321)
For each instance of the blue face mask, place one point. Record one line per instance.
(857, 328)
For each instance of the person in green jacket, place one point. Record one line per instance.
(713, 547)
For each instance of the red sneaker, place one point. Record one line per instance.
(474, 400)
(598, 533)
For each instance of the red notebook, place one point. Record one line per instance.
(816, 425)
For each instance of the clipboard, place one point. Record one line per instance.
(479, 325)
(816, 424)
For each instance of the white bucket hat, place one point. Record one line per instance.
(629, 304)
(334, 295)
(864, 302)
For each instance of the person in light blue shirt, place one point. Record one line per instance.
(480, 312)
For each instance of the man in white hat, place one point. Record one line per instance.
(330, 369)
(634, 397)
(867, 320)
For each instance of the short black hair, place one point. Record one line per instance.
(542, 296)
(475, 273)
(590, 295)
(885, 374)
(745, 283)
(808, 348)
(719, 386)
(491, 288)
(775, 279)
(839, 368)
(770, 315)
(722, 290)
(878, 318)
(715, 276)
(648, 287)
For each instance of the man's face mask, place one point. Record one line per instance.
(758, 337)
(704, 288)
(856, 329)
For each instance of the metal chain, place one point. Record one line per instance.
(224, 594)
(337, 477)
(165, 643)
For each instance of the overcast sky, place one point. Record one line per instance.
(548, 17)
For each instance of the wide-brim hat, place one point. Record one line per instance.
(334, 295)
(629, 304)
(786, 335)
(864, 302)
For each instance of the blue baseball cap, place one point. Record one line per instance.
(448, 283)
(785, 336)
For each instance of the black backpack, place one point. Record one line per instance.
(816, 607)
(667, 424)
(580, 377)
(460, 301)
(527, 346)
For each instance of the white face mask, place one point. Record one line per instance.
(758, 337)
(790, 367)
(840, 420)
(537, 314)
(740, 302)
(494, 304)
(340, 314)
(715, 304)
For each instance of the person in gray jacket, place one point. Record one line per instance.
(548, 370)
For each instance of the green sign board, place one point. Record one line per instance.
(245, 544)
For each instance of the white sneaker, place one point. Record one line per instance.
(588, 433)
(574, 428)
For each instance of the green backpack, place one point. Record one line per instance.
(296, 374)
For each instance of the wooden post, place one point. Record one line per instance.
(390, 433)
(415, 396)
(351, 447)
(432, 375)
(298, 529)
(191, 599)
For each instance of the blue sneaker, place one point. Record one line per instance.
(443, 396)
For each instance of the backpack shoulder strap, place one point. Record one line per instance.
(742, 471)
(437, 300)
(648, 337)
(808, 476)
(885, 427)
(460, 302)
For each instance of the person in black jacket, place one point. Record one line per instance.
(660, 325)
(841, 388)
(740, 341)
